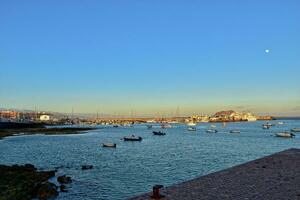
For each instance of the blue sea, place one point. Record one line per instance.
(134, 167)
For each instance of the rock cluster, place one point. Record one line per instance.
(25, 182)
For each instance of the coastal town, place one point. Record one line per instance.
(71, 119)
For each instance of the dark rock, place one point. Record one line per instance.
(46, 191)
(30, 166)
(85, 167)
(64, 179)
(24, 182)
(63, 188)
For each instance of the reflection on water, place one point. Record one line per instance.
(134, 167)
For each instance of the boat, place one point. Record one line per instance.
(191, 124)
(192, 129)
(295, 129)
(166, 125)
(213, 126)
(268, 124)
(280, 123)
(149, 126)
(211, 131)
(265, 127)
(224, 125)
(158, 133)
(235, 131)
(285, 135)
(115, 126)
(111, 145)
(132, 138)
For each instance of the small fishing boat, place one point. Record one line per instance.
(295, 129)
(115, 126)
(132, 138)
(211, 131)
(158, 133)
(235, 131)
(192, 129)
(265, 127)
(111, 145)
(280, 123)
(166, 125)
(149, 126)
(285, 135)
(213, 126)
(268, 124)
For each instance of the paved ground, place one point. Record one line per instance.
(274, 177)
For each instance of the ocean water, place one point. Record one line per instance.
(134, 167)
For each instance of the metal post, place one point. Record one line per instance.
(156, 193)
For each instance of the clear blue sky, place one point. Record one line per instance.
(150, 56)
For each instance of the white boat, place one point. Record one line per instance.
(111, 145)
(213, 126)
(280, 123)
(166, 125)
(265, 127)
(295, 129)
(192, 129)
(285, 135)
(211, 131)
(235, 131)
(191, 124)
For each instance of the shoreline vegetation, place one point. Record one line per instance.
(44, 131)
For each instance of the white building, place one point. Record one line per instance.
(44, 117)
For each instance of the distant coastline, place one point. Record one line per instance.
(287, 118)
(45, 131)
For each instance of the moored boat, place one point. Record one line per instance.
(285, 135)
(235, 131)
(211, 131)
(265, 127)
(111, 145)
(295, 129)
(158, 133)
(166, 125)
(149, 126)
(280, 123)
(192, 129)
(132, 138)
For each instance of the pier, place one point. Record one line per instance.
(272, 177)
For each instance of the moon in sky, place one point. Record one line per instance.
(267, 50)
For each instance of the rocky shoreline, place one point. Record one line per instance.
(45, 131)
(26, 182)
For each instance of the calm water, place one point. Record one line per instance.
(134, 167)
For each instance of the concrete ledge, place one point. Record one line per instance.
(273, 177)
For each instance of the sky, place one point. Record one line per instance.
(149, 57)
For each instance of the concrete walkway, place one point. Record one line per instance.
(275, 177)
